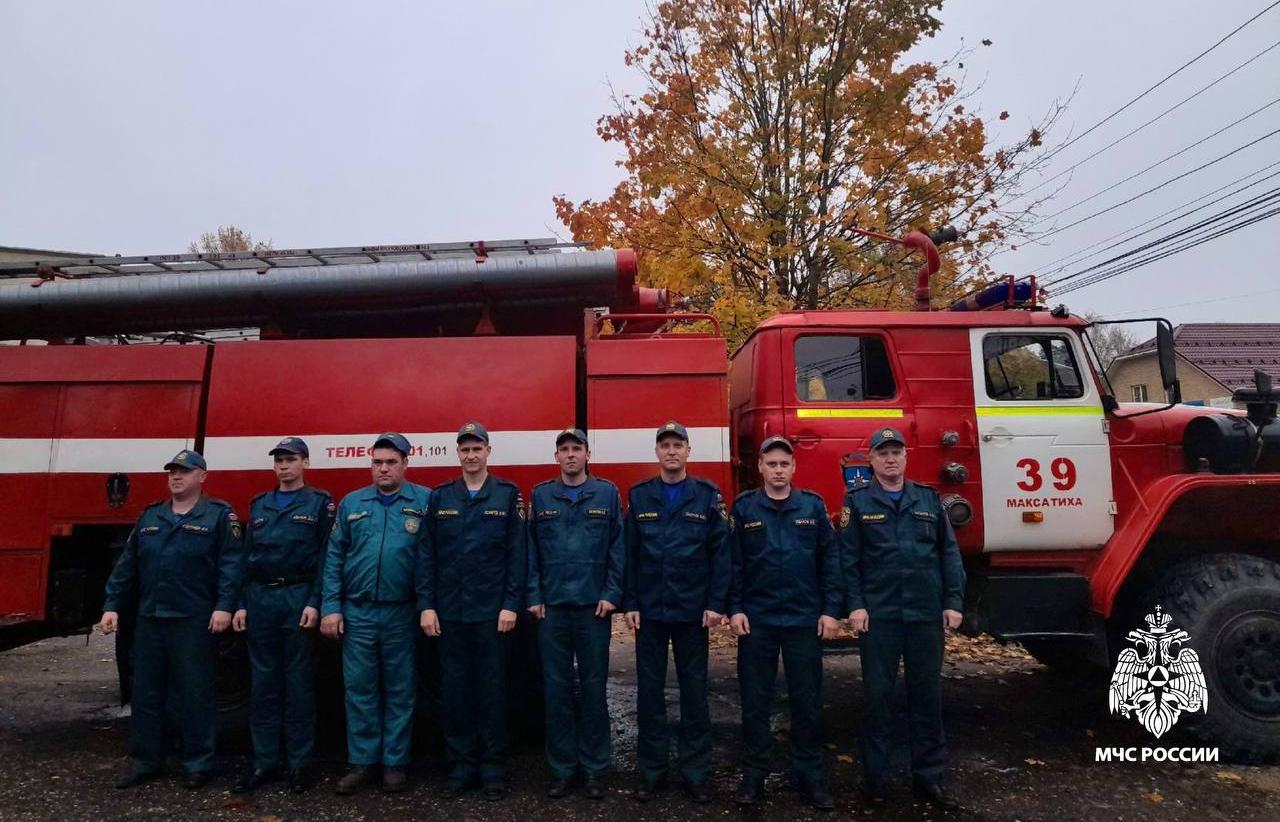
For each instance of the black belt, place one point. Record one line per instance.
(281, 582)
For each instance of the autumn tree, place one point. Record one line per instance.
(227, 239)
(1110, 341)
(769, 129)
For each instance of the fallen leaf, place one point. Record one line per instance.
(1037, 762)
(1228, 776)
(845, 758)
(1155, 797)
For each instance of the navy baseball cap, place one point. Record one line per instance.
(190, 460)
(885, 436)
(475, 431)
(393, 440)
(776, 441)
(572, 434)
(291, 445)
(673, 427)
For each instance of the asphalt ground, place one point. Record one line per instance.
(1022, 742)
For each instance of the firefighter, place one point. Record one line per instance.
(181, 563)
(786, 595)
(576, 556)
(471, 580)
(677, 581)
(283, 557)
(368, 602)
(906, 586)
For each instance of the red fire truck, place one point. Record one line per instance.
(1075, 513)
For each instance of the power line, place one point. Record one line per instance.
(1260, 200)
(1170, 181)
(1195, 302)
(1164, 160)
(1076, 256)
(1163, 80)
(1106, 275)
(1159, 116)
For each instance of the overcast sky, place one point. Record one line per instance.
(133, 127)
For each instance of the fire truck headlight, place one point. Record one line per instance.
(958, 509)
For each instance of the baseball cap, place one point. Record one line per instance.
(291, 445)
(187, 459)
(393, 440)
(777, 441)
(572, 433)
(673, 427)
(475, 431)
(887, 435)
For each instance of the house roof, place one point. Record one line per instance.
(1227, 352)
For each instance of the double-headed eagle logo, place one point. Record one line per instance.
(1153, 684)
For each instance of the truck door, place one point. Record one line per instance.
(1046, 469)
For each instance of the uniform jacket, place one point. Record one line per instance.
(473, 559)
(900, 561)
(289, 542)
(373, 547)
(576, 548)
(677, 558)
(179, 566)
(786, 563)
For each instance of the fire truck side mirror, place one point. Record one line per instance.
(1166, 356)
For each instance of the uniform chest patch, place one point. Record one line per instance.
(753, 525)
(645, 516)
(807, 521)
(446, 512)
(597, 512)
(259, 521)
(411, 524)
(549, 513)
(193, 528)
(494, 512)
(695, 516)
(413, 512)
(304, 518)
(928, 516)
(150, 529)
(357, 515)
(873, 517)
(844, 517)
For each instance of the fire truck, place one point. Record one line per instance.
(1076, 513)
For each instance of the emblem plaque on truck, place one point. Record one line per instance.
(1158, 678)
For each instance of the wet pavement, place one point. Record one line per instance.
(1022, 748)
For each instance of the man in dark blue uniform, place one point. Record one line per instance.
(786, 595)
(576, 559)
(283, 557)
(368, 602)
(182, 562)
(677, 584)
(472, 568)
(905, 580)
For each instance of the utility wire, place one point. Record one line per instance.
(1164, 160)
(1260, 200)
(1067, 260)
(1168, 182)
(1106, 275)
(1194, 302)
(1159, 116)
(1163, 80)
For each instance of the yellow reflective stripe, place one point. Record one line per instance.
(1040, 411)
(849, 413)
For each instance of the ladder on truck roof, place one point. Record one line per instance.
(117, 266)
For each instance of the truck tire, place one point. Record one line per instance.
(1230, 606)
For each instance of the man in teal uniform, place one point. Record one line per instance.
(576, 558)
(471, 580)
(905, 581)
(182, 563)
(677, 584)
(786, 595)
(283, 556)
(368, 602)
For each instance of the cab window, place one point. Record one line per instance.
(842, 368)
(1030, 367)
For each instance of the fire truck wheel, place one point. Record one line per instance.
(1229, 604)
